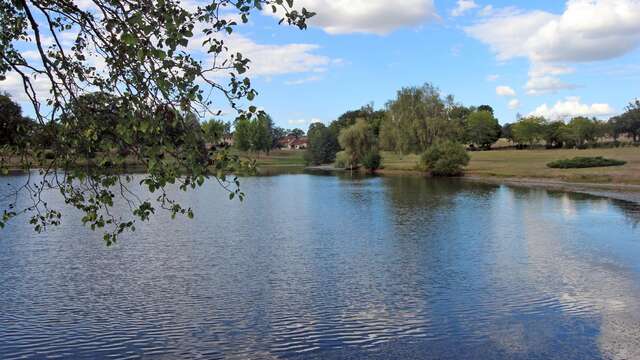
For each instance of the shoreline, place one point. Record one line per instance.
(622, 192)
(617, 191)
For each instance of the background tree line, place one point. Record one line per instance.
(421, 116)
(416, 119)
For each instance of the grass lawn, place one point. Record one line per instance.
(278, 158)
(533, 164)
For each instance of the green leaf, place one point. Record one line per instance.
(128, 39)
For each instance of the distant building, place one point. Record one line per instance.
(228, 140)
(291, 142)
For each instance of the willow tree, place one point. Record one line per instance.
(418, 117)
(139, 57)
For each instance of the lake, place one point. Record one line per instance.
(334, 267)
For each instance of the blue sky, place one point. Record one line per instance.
(366, 66)
(552, 58)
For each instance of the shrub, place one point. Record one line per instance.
(342, 160)
(585, 162)
(445, 159)
(372, 161)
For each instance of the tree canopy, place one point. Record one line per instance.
(417, 118)
(323, 144)
(482, 128)
(137, 59)
(357, 141)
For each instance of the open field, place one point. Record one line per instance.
(278, 158)
(533, 164)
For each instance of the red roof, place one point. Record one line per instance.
(300, 141)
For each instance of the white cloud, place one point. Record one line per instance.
(367, 16)
(463, 6)
(514, 104)
(14, 86)
(270, 59)
(540, 85)
(572, 107)
(505, 91)
(587, 30)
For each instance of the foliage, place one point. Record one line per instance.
(357, 141)
(506, 132)
(298, 133)
(215, 130)
(554, 134)
(13, 126)
(627, 123)
(585, 162)
(445, 158)
(418, 117)
(343, 160)
(151, 81)
(582, 130)
(367, 113)
(277, 133)
(323, 145)
(529, 130)
(486, 108)
(262, 140)
(482, 129)
(254, 134)
(372, 160)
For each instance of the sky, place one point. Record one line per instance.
(552, 58)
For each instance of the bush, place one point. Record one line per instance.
(342, 160)
(372, 161)
(445, 159)
(584, 162)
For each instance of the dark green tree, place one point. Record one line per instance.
(13, 126)
(486, 108)
(555, 134)
(627, 123)
(323, 145)
(482, 129)
(253, 134)
(367, 113)
(445, 158)
(298, 133)
(506, 132)
(215, 130)
(277, 133)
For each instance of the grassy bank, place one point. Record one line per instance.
(278, 158)
(533, 164)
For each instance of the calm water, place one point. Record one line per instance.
(327, 267)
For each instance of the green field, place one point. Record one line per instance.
(278, 158)
(533, 164)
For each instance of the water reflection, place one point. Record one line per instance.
(336, 267)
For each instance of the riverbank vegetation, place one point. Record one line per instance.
(421, 116)
(585, 162)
